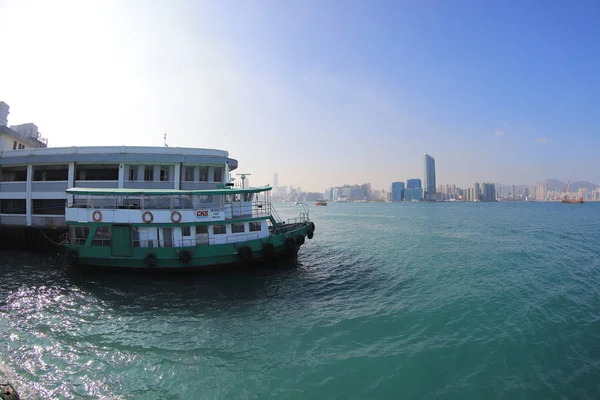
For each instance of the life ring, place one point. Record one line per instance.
(309, 234)
(175, 217)
(151, 260)
(268, 249)
(245, 253)
(149, 215)
(185, 256)
(97, 216)
(300, 239)
(290, 243)
(73, 256)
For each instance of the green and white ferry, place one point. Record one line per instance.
(166, 228)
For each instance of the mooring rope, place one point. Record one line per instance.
(50, 240)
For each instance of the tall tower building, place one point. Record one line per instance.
(541, 191)
(429, 177)
(476, 192)
(275, 181)
(398, 191)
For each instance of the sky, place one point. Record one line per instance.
(324, 93)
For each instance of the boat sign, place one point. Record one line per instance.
(210, 214)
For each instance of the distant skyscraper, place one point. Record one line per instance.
(488, 192)
(476, 192)
(541, 191)
(397, 191)
(413, 183)
(429, 177)
(275, 180)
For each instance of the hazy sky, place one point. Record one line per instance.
(323, 92)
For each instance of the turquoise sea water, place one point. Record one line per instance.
(388, 301)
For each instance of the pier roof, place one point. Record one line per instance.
(163, 192)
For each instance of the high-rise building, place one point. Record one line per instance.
(429, 177)
(541, 191)
(275, 180)
(413, 183)
(488, 192)
(366, 187)
(398, 191)
(476, 192)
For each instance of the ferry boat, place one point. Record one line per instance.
(133, 206)
(167, 228)
(321, 203)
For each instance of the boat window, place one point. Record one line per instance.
(186, 231)
(133, 172)
(182, 202)
(79, 234)
(255, 226)
(188, 174)
(248, 196)
(149, 174)
(237, 228)
(14, 145)
(201, 229)
(203, 174)
(219, 229)
(218, 174)
(204, 198)
(102, 236)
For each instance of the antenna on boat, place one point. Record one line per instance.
(243, 177)
(166, 145)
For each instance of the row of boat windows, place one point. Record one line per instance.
(80, 233)
(156, 202)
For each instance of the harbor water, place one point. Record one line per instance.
(388, 301)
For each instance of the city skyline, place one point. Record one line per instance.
(499, 93)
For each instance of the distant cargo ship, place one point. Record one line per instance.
(566, 199)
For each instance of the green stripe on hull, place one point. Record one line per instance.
(201, 256)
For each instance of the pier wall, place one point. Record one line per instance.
(30, 238)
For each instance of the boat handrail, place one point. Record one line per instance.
(242, 238)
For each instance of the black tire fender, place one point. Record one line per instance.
(72, 256)
(268, 249)
(185, 256)
(245, 253)
(290, 243)
(151, 260)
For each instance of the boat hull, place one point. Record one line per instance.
(277, 245)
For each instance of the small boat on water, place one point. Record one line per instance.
(321, 203)
(566, 199)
